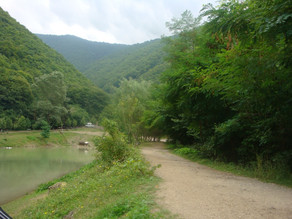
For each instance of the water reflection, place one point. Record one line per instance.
(23, 169)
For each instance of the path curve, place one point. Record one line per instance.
(195, 191)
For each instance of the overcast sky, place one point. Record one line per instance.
(113, 21)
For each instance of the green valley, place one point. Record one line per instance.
(217, 91)
(107, 64)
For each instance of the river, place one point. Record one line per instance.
(23, 169)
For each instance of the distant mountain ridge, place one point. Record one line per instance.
(139, 61)
(106, 64)
(80, 52)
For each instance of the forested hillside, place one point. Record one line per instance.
(139, 61)
(80, 52)
(37, 83)
(107, 64)
(227, 93)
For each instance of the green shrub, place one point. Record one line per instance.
(22, 123)
(112, 147)
(6, 123)
(31, 138)
(45, 129)
(190, 152)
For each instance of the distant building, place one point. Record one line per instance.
(89, 125)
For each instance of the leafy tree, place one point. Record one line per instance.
(50, 91)
(51, 87)
(112, 147)
(6, 123)
(129, 102)
(22, 123)
(45, 129)
(253, 76)
(2, 124)
(229, 83)
(68, 123)
(189, 110)
(79, 116)
(15, 93)
(92, 99)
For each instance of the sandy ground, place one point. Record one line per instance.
(191, 190)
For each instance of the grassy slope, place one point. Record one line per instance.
(92, 192)
(95, 191)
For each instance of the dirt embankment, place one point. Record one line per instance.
(193, 191)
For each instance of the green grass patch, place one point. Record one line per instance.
(33, 138)
(122, 190)
(262, 171)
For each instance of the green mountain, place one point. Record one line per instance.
(80, 52)
(34, 76)
(106, 64)
(139, 61)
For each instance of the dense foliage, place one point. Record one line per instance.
(229, 86)
(37, 83)
(131, 108)
(112, 146)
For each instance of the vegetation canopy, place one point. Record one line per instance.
(37, 83)
(228, 89)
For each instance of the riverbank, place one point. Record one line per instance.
(64, 137)
(96, 191)
(28, 160)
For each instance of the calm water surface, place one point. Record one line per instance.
(23, 169)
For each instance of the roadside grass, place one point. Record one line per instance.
(262, 171)
(122, 190)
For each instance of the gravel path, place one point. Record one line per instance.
(191, 190)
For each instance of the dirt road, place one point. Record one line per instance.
(195, 191)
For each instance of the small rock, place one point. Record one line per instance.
(70, 215)
(57, 185)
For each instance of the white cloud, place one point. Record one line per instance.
(114, 21)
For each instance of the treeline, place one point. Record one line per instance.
(37, 83)
(131, 108)
(228, 89)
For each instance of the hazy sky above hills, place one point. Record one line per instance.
(113, 21)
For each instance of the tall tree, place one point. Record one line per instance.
(190, 110)
(50, 91)
(129, 102)
(253, 76)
